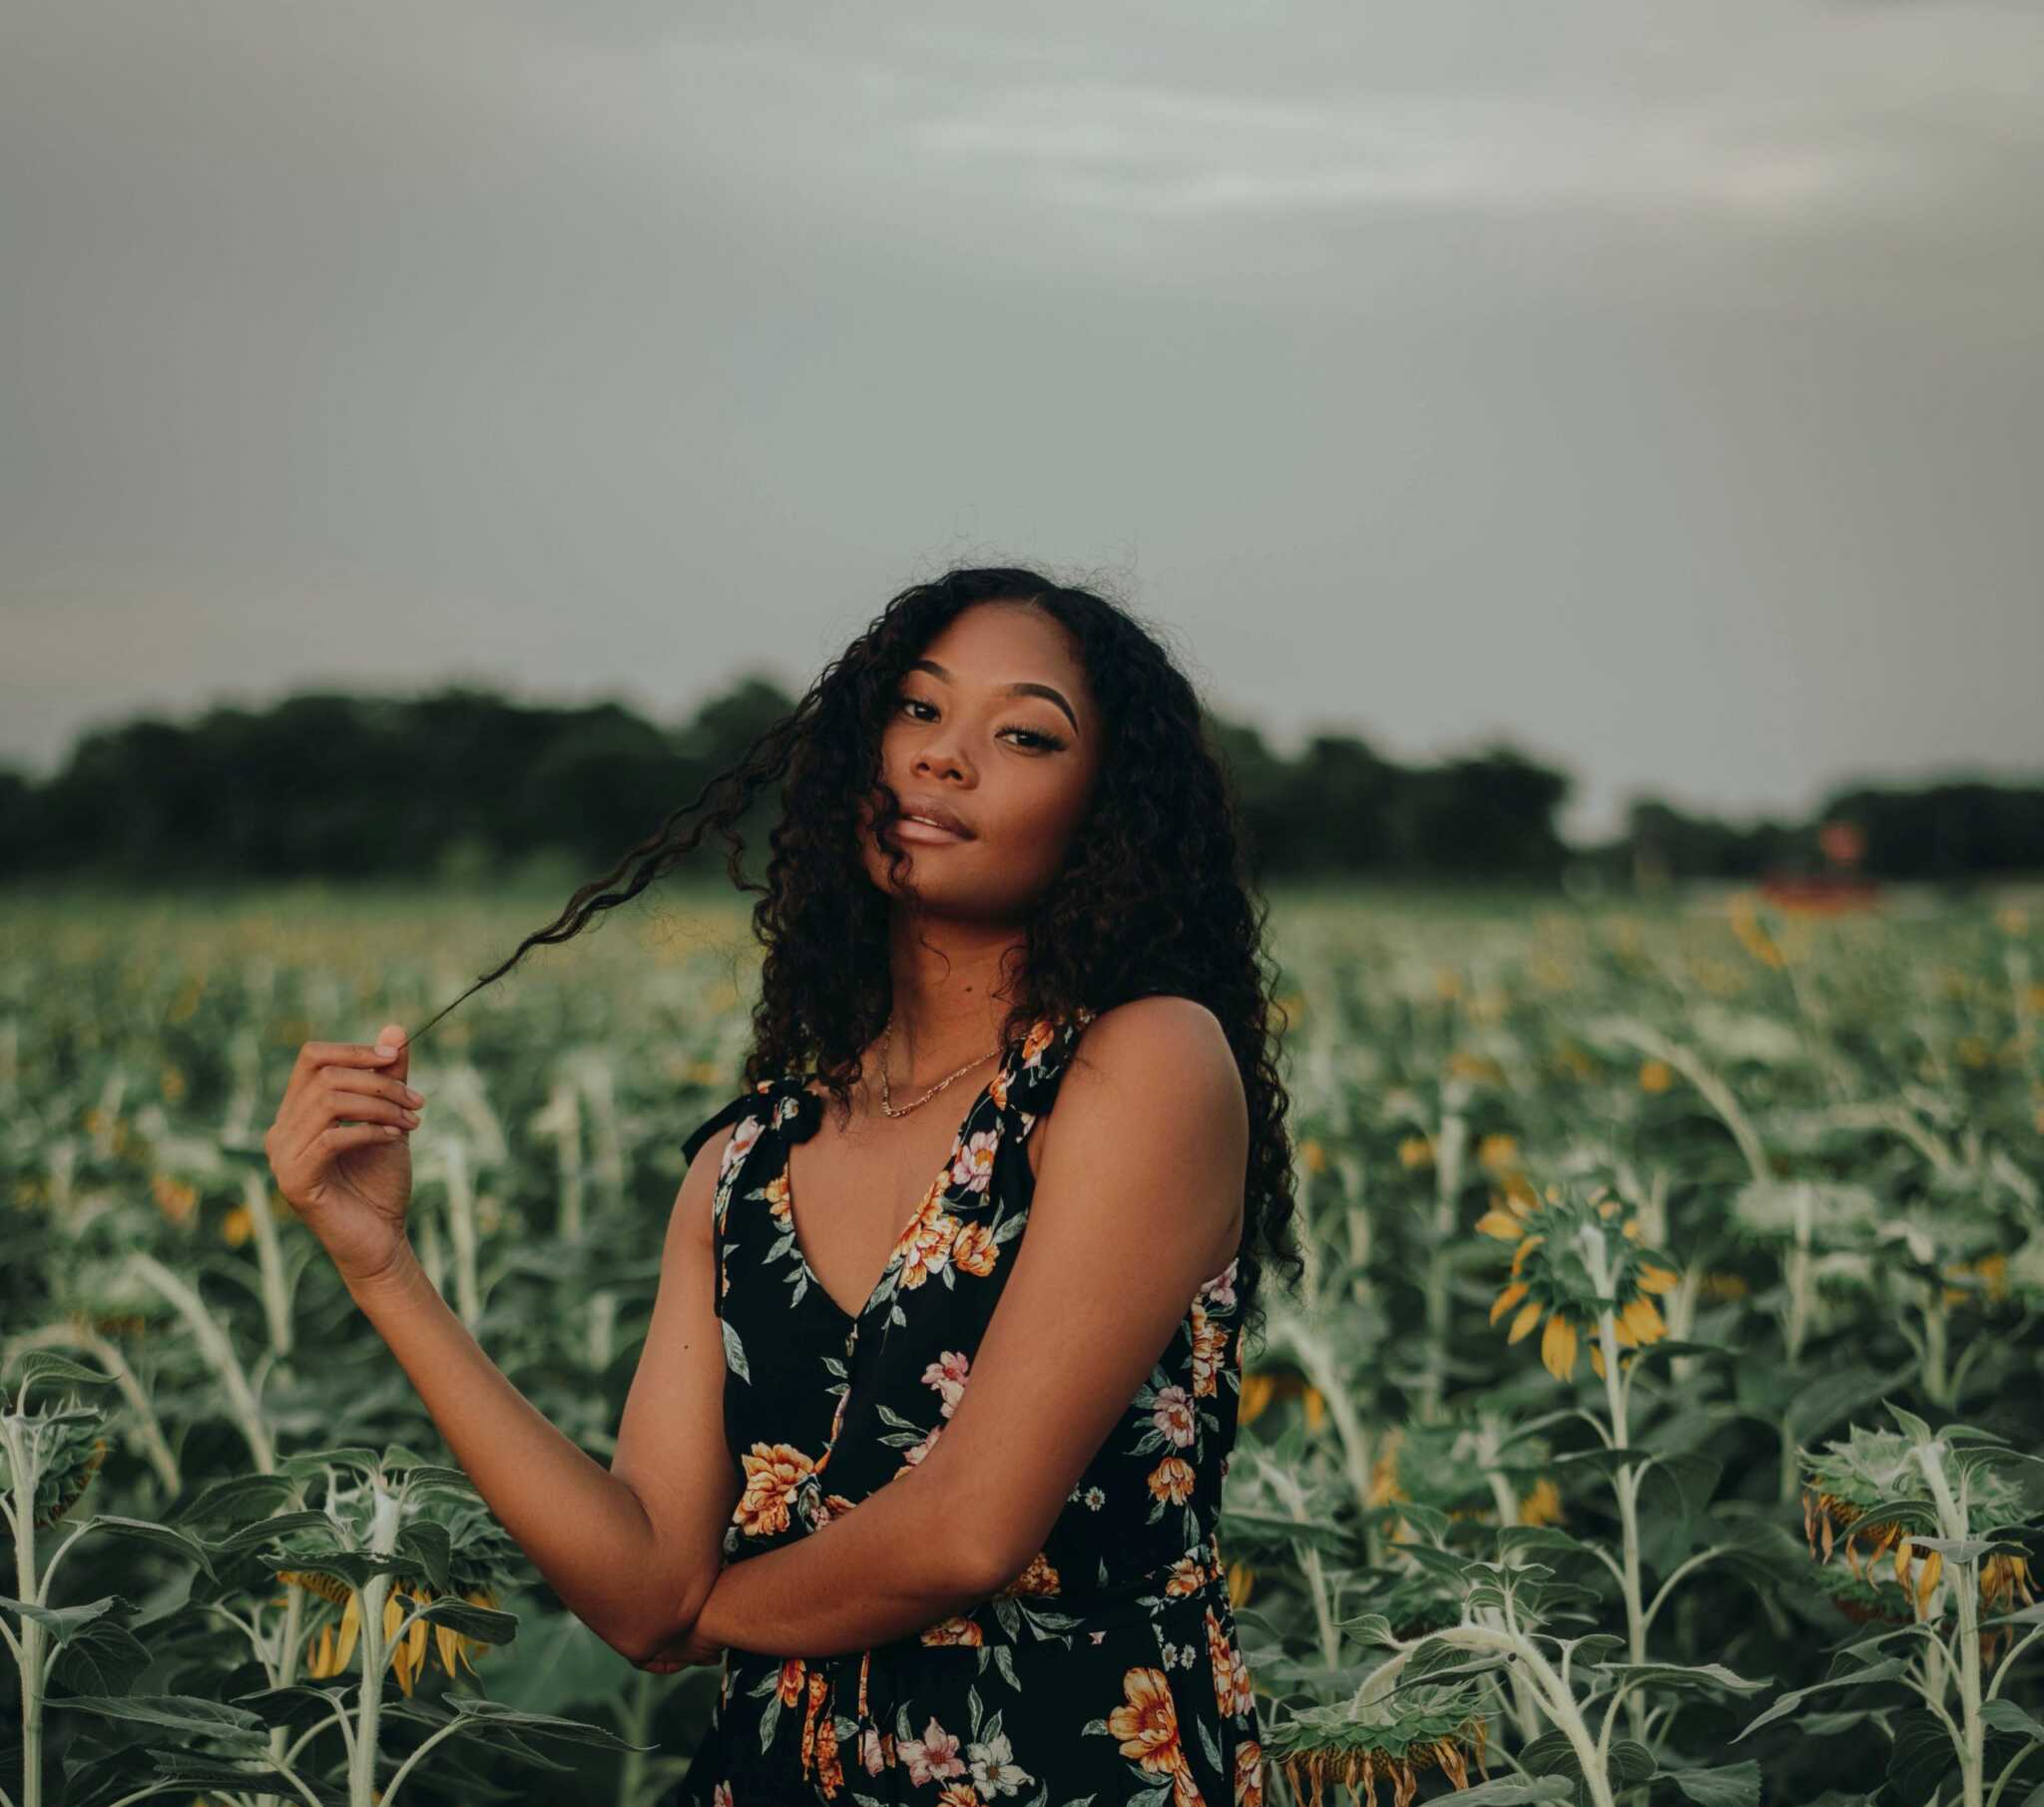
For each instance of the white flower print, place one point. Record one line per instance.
(1173, 1415)
(1221, 1288)
(915, 1455)
(995, 1769)
(743, 1136)
(933, 1758)
(870, 1752)
(973, 1163)
(1095, 1499)
(1098, 1636)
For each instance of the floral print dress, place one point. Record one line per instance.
(1108, 1670)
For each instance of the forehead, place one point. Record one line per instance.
(999, 642)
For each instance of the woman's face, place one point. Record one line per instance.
(994, 726)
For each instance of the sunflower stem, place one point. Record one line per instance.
(1448, 1146)
(376, 1654)
(1967, 1587)
(1625, 1484)
(1561, 1704)
(26, 1469)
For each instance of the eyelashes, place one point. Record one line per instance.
(1046, 742)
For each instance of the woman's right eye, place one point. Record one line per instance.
(913, 703)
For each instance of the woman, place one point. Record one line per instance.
(938, 1496)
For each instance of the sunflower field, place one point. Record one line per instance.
(1659, 1417)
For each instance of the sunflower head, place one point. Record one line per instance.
(1870, 1496)
(1393, 1740)
(1562, 1238)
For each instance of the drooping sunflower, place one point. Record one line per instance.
(330, 1647)
(1554, 1234)
(1397, 1740)
(1869, 1496)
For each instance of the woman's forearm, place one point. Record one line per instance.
(582, 1528)
(892, 1566)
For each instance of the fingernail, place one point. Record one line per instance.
(384, 1051)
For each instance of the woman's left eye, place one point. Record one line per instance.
(1040, 741)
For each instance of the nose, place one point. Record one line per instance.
(939, 762)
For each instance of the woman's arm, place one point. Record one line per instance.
(1139, 1200)
(631, 1551)
(897, 1564)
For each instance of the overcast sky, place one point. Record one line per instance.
(1660, 387)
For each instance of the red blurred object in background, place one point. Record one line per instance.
(1843, 845)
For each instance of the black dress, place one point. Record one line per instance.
(1108, 1670)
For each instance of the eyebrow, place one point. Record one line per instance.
(1007, 689)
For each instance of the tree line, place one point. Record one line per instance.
(464, 783)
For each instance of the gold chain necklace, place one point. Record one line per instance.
(887, 1094)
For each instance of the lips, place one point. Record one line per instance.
(929, 809)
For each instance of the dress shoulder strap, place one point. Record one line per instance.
(1032, 1081)
(783, 1104)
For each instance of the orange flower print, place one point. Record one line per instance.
(972, 1161)
(926, 1245)
(774, 1192)
(820, 1739)
(959, 1794)
(1248, 1774)
(1171, 1480)
(1036, 1042)
(998, 1090)
(1188, 1576)
(975, 1251)
(1209, 1340)
(957, 1629)
(1174, 1416)
(775, 1472)
(1233, 1694)
(1038, 1578)
(933, 1758)
(794, 1678)
(1148, 1730)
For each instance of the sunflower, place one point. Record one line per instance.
(1409, 1732)
(1551, 1276)
(328, 1650)
(1869, 1496)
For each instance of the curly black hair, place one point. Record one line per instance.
(1155, 896)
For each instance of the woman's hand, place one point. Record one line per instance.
(682, 1654)
(340, 1152)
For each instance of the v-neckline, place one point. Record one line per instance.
(915, 1211)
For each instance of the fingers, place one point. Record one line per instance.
(342, 1095)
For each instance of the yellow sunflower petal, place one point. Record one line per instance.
(1656, 1279)
(1642, 1318)
(1501, 1224)
(1505, 1300)
(1525, 1248)
(1558, 1347)
(350, 1623)
(1522, 1325)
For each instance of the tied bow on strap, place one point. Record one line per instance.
(795, 1109)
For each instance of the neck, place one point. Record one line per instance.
(948, 1005)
